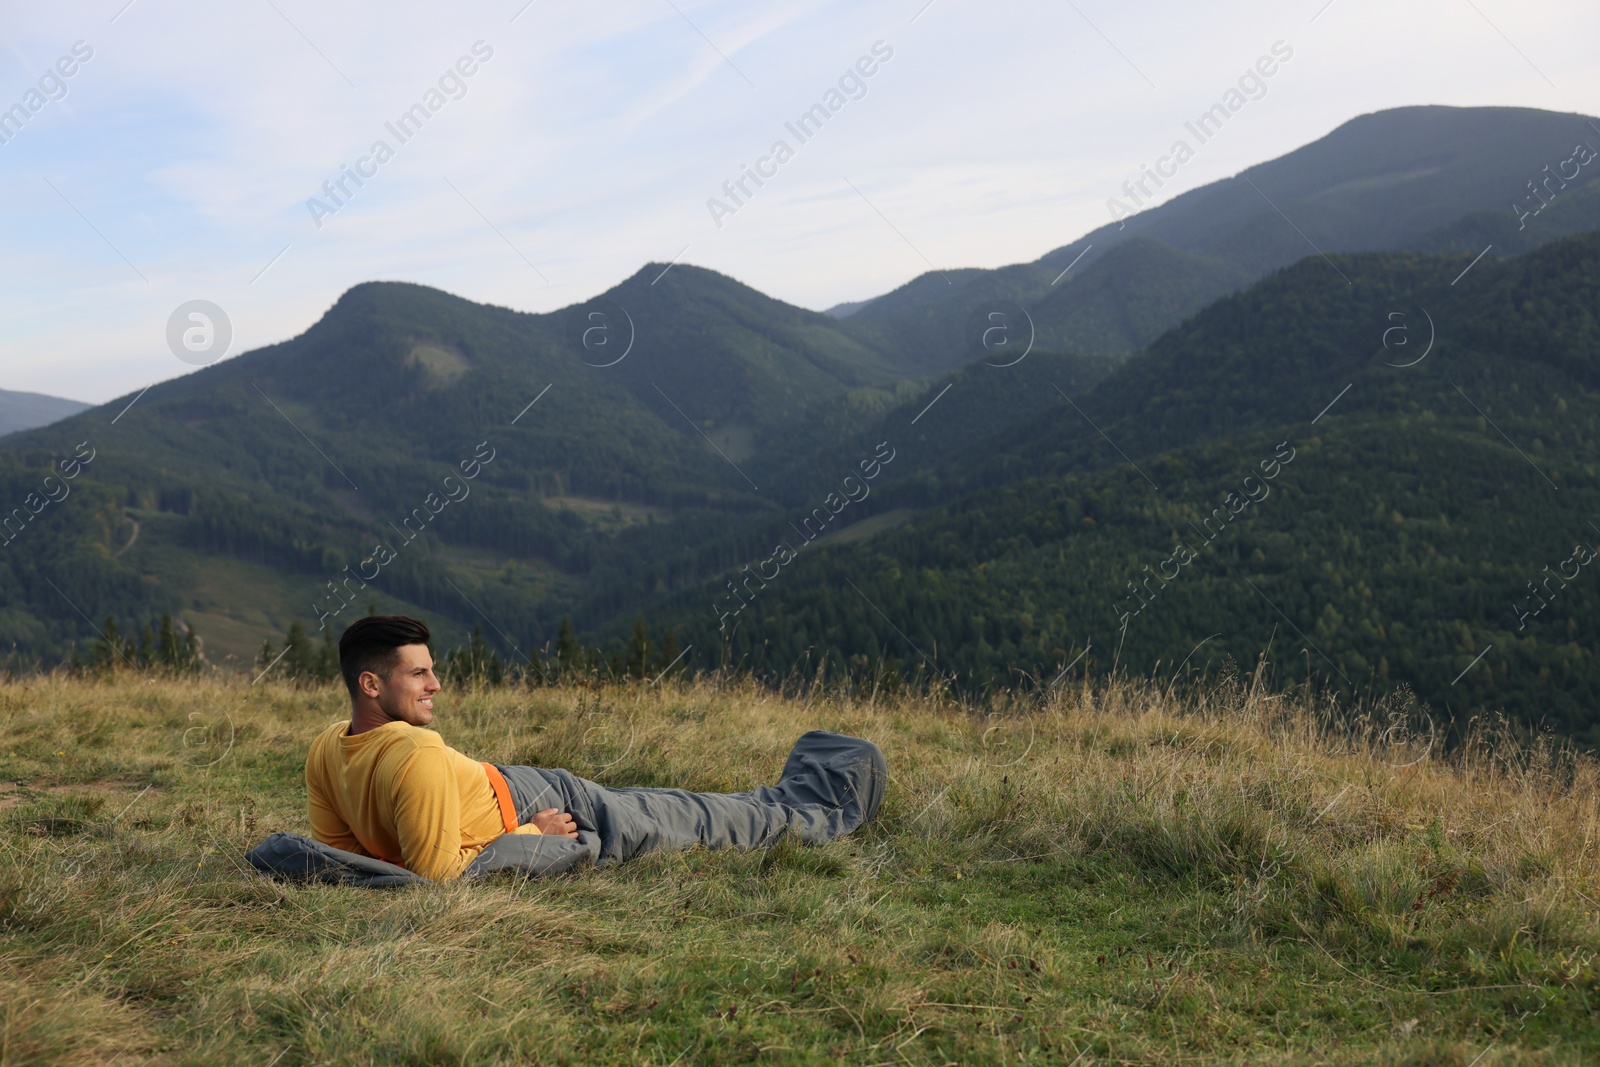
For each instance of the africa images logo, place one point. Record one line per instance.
(52, 85)
(602, 332)
(199, 332)
(451, 85)
(1251, 85)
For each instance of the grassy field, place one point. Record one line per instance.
(1110, 876)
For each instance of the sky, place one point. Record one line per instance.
(195, 150)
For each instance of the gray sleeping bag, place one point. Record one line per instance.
(831, 784)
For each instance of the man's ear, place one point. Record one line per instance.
(369, 683)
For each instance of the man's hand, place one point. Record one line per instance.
(556, 821)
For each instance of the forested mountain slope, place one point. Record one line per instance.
(1380, 510)
(294, 461)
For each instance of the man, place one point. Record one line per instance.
(381, 786)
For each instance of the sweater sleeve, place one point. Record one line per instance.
(327, 825)
(427, 817)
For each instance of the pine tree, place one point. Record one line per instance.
(328, 657)
(638, 661)
(109, 651)
(477, 655)
(147, 652)
(476, 664)
(667, 655)
(169, 652)
(569, 654)
(175, 648)
(300, 660)
(484, 663)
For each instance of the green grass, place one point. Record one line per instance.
(1112, 876)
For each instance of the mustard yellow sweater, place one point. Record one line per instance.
(399, 793)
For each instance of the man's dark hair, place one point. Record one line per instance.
(370, 644)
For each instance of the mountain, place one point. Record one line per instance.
(24, 411)
(1271, 473)
(237, 494)
(733, 355)
(846, 309)
(1432, 178)
(1133, 294)
(1507, 233)
(961, 486)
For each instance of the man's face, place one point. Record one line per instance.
(407, 694)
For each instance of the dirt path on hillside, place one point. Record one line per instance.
(131, 540)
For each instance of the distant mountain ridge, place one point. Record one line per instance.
(1393, 179)
(846, 309)
(24, 411)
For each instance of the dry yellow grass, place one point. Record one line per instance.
(1111, 874)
